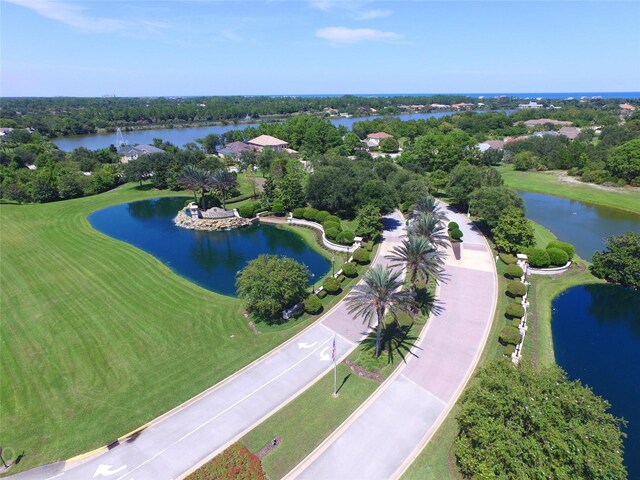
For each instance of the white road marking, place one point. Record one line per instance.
(226, 409)
(324, 354)
(306, 345)
(107, 470)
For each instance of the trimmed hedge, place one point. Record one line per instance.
(361, 256)
(369, 246)
(513, 271)
(507, 258)
(313, 305)
(510, 335)
(514, 310)
(350, 269)
(331, 285)
(332, 233)
(322, 216)
(310, 214)
(538, 258)
(509, 349)
(332, 218)
(455, 234)
(321, 294)
(516, 289)
(327, 225)
(557, 257)
(567, 247)
(516, 322)
(298, 212)
(240, 198)
(453, 226)
(345, 237)
(248, 210)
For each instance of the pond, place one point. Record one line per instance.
(585, 225)
(210, 259)
(596, 338)
(182, 136)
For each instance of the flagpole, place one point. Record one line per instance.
(333, 356)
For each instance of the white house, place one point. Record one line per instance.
(129, 153)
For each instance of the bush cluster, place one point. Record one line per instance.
(538, 258)
(313, 305)
(345, 237)
(508, 259)
(310, 214)
(331, 285)
(332, 232)
(249, 210)
(510, 335)
(361, 256)
(298, 212)
(350, 269)
(567, 247)
(515, 310)
(516, 289)
(513, 271)
(321, 216)
(369, 246)
(454, 231)
(557, 257)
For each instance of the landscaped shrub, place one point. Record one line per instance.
(322, 294)
(350, 269)
(332, 233)
(509, 349)
(298, 212)
(567, 247)
(345, 237)
(369, 246)
(361, 256)
(516, 289)
(453, 226)
(331, 285)
(248, 210)
(310, 214)
(327, 225)
(313, 305)
(510, 335)
(332, 218)
(455, 234)
(277, 208)
(513, 271)
(538, 258)
(557, 257)
(507, 258)
(235, 462)
(322, 216)
(515, 310)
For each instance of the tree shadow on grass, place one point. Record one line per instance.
(396, 340)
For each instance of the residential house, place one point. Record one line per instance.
(234, 149)
(5, 130)
(128, 153)
(570, 132)
(627, 108)
(462, 106)
(546, 121)
(489, 144)
(374, 139)
(530, 105)
(263, 141)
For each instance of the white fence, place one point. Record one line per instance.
(327, 243)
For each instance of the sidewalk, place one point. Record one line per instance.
(205, 426)
(381, 439)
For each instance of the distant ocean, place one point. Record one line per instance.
(563, 95)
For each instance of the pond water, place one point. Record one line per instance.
(596, 338)
(182, 136)
(585, 225)
(210, 259)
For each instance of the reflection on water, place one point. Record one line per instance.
(210, 259)
(596, 338)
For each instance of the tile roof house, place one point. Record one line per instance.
(374, 139)
(129, 153)
(569, 132)
(263, 141)
(544, 121)
(234, 149)
(495, 144)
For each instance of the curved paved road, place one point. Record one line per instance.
(381, 439)
(208, 423)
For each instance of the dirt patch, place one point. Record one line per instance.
(358, 370)
(259, 181)
(253, 327)
(264, 451)
(563, 177)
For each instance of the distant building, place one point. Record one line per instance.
(374, 139)
(5, 130)
(569, 132)
(128, 153)
(235, 149)
(489, 144)
(439, 106)
(263, 141)
(530, 105)
(546, 121)
(627, 108)
(462, 106)
(547, 133)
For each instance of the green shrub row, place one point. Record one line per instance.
(240, 198)
(332, 285)
(313, 305)
(569, 249)
(350, 269)
(361, 256)
(513, 271)
(249, 209)
(507, 258)
(516, 288)
(551, 257)
(510, 335)
(515, 310)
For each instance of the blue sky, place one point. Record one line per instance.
(140, 47)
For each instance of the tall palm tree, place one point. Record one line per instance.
(428, 204)
(428, 226)
(195, 179)
(421, 258)
(378, 294)
(223, 181)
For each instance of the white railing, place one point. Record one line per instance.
(327, 243)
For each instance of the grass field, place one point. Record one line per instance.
(99, 337)
(627, 198)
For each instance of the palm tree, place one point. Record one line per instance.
(195, 179)
(223, 181)
(421, 258)
(428, 226)
(378, 294)
(428, 204)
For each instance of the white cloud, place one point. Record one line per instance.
(373, 14)
(75, 16)
(345, 36)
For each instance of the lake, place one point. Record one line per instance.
(585, 225)
(181, 136)
(210, 259)
(596, 338)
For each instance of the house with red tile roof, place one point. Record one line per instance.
(263, 141)
(374, 139)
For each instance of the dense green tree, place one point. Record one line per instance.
(210, 143)
(69, 186)
(369, 223)
(376, 192)
(521, 423)
(620, 261)
(137, 170)
(463, 180)
(389, 145)
(44, 188)
(378, 294)
(624, 161)
(526, 160)
(270, 284)
(489, 203)
(514, 232)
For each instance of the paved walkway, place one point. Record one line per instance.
(209, 423)
(381, 439)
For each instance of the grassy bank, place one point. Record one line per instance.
(627, 198)
(99, 337)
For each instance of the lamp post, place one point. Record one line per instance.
(313, 283)
(333, 261)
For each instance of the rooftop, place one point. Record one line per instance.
(267, 141)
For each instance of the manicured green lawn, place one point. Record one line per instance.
(99, 337)
(626, 198)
